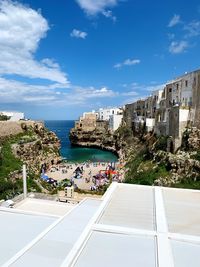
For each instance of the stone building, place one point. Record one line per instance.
(129, 114)
(196, 100)
(87, 122)
(179, 107)
(169, 111)
(102, 125)
(140, 108)
(148, 107)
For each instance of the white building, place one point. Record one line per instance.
(157, 96)
(115, 121)
(13, 115)
(187, 90)
(105, 113)
(150, 124)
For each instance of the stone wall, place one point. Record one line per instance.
(128, 115)
(174, 122)
(8, 128)
(196, 100)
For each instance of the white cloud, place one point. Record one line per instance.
(130, 93)
(176, 19)
(91, 92)
(171, 36)
(152, 88)
(109, 14)
(50, 63)
(78, 34)
(192, 29)
(21, 30)
(178, 47)
(127, 62)
(93, 7)
(12, 91)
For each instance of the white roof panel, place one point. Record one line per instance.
(51, 250)
(108, 249)
(182, 210)
(186, 254)
(131, 226)
(131, 206)
(17, 230)
(44, 206)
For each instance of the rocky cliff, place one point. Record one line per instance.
(37, 146)
(153, 164)
(145, 155)
(96, 138)
(8, 128)
(103, 139)
(119, 142)
(25, 142)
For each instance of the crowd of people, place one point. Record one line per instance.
(86, 176)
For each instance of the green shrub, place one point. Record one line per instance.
(196, 156)
(161, 143)
(8, 164)
(124, 131)
(4, 118)
(148, 177)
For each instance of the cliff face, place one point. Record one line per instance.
(153, 165)
(8, 128)
(96, 138)
(146, 157)
(119, 142)
(30, 143)
(37, 146)
(25, 142)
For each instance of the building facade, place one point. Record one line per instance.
(115, 121)
(105, 113)
(87, 122)
(170, 110)
(13, 115)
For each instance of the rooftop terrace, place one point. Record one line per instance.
(131, 225)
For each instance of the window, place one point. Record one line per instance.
(177, 86)
(186, 83)
(170, 90)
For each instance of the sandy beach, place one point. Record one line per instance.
(84, 181)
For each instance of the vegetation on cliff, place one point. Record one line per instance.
(11, 169)
(153, 165)
(147, 156)
(33, 147)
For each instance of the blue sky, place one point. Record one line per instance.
(61, 58)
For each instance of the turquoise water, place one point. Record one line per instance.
(76, 154)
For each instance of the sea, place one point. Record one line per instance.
(76, 154)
